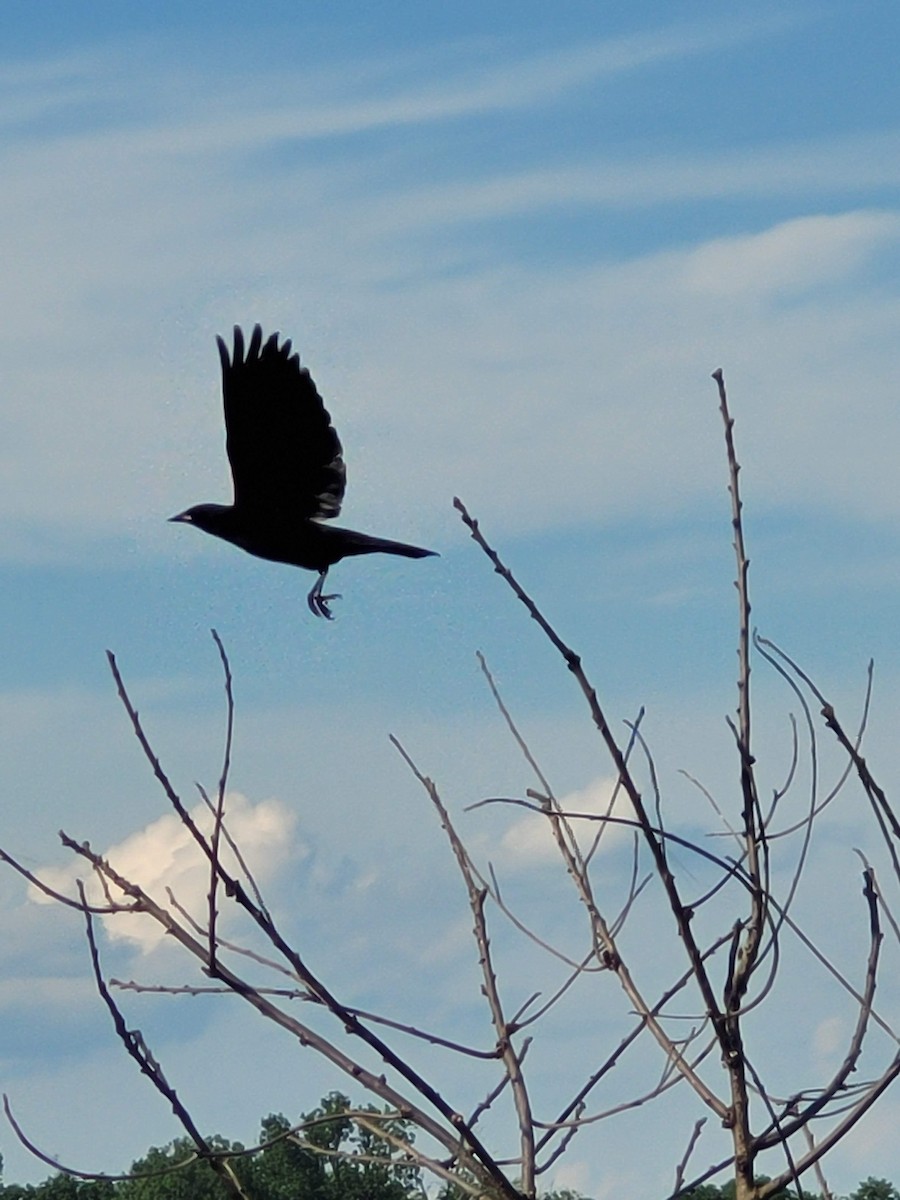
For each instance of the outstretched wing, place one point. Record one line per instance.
(284, 452)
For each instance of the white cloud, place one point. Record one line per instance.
(792, 256)
(529, 841)
(164, 856)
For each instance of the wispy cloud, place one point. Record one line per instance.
(479, 79)
(127, 246)
(839, 167)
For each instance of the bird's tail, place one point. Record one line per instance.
(364, 543)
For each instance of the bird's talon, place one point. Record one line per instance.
(318, 604)
(324, 610)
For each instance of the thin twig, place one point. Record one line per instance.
(220, 798)
(689, 1149)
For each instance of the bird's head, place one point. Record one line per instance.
(211, 518)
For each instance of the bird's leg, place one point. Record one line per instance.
(318, 604)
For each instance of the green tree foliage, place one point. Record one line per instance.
(332, 1158)
(155, 1176)
(284, 1170)
(871, 1189)
(875, 1189)
(60, 1187)
(709, 1191)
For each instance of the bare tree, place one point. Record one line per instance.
(734, 938)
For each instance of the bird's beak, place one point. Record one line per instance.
(185, 516)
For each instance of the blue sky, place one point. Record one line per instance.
(511, 245)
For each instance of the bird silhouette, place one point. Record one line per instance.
(287, 467)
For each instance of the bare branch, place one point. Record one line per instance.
(848, 1066)
(511, 1058)
(481, 1161)
(137, 1048)
(573, 662)
(689, 1149)
(65, 1169)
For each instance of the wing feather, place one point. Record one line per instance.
(284, 452)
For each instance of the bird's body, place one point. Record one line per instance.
(287, 466)
(301, 543)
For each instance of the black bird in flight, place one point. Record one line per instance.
(287, 467)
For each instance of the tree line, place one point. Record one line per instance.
(325, 1155)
